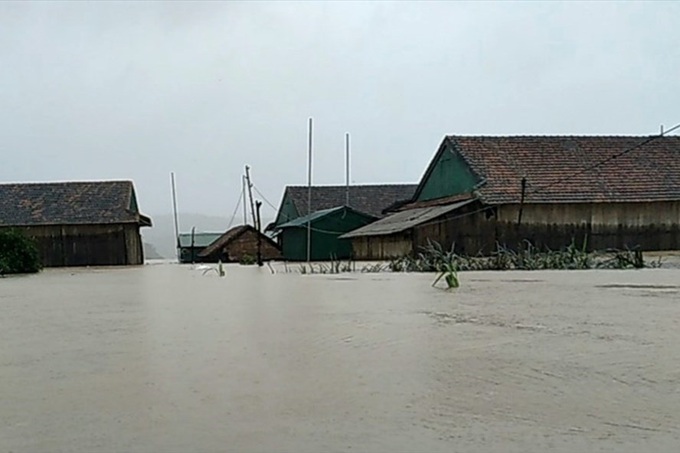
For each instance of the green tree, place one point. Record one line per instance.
(18, 253)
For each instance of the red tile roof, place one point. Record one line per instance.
(564, 169)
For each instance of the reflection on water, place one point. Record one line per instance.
(164, 358)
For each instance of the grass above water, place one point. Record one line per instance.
(433, 258)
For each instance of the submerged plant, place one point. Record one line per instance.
(450, 276)
(219, 269)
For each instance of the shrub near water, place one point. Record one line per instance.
(18, 253)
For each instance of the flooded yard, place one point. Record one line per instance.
(164, 358)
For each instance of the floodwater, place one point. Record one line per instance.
(164, 358)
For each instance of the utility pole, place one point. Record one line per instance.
(250, 195)
(309, 193)
(347, 168)
(258, 204)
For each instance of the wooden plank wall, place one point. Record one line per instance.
(87, 245)
(648, 226)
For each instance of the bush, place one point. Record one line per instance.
(18, 253)
(247, 260)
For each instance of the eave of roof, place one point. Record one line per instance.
(404, 220)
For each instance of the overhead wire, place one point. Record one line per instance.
(532, 190)
(238, 205)
(560, 180)
(264, 198)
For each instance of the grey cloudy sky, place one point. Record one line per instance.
(136, 90)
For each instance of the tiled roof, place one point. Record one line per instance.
(225, 239)
(558, 168)
(370, 199)
(69, 203)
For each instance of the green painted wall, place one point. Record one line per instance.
(325, 232)
(451, 175)
(287, 211)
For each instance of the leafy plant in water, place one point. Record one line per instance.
(219, 269)
(247, 260)
(450, 276)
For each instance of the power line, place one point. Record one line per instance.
(537, 189)
(233, 216)
(609, 159)
(265, 198)
(560, 180)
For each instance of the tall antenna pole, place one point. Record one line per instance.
(250, 195)
(347, 168)
(309, 193)
(174, 209)
(245, 204)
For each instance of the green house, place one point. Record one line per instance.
(326, 226)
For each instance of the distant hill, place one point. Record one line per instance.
(150, 252)
(162, 235)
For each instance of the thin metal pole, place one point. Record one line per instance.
(347, 168)
(309, 193)
(245, 204)
(174, 210)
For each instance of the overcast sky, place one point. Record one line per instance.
(137, 90)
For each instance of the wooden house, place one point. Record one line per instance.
(326, 226)
(604, 192)
(77, 223)
(240, 244)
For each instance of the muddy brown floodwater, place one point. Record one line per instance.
(162, 358)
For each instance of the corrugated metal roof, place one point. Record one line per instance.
(404, 220)
(300, 221)
(200, 239)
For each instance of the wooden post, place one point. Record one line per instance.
(258, 204)
(250, 195)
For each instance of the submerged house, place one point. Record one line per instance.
(602, 191)
(190, 245)
(323, 229)
(334, 211)
(371, 199)
(77, 223)
(241, 244)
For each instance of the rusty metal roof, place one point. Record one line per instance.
(69, 203)
(404, 220)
